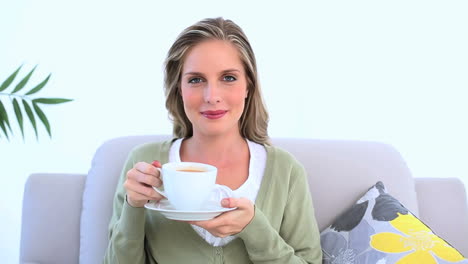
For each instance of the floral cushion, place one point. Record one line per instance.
(378, 229)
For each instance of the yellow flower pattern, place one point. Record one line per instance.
(418, 240)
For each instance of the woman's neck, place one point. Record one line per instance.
(215, 150)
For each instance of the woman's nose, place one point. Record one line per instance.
(212, 95)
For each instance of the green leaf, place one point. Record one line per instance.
(19, 115)
(23, 82)
(43, 118)
(4, 115)
(2, 125)
(51, 100)
(10, 79)
(39, 86)
(30, 114)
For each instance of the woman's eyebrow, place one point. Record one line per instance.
(230, 70)
(193, 73)
(222, 72)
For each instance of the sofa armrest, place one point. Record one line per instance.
(50, 229)
(443, 207)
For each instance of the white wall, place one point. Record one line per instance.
(393, 71)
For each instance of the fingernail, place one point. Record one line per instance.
(224, 202)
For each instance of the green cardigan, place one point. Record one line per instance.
(283, 229)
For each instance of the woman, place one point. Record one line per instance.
(214, 99)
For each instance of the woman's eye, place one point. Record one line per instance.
(195, 80)
(229, 78)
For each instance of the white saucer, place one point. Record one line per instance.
(210, 211)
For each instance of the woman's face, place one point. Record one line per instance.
(214, 88)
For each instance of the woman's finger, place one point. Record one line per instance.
(146, 168)
(156, 163)
(149, 180)
(134, 196)
(240, 203)
(146, 179)
(146, 191)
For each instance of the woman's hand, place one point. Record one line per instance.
(232, 222)
(140, 181)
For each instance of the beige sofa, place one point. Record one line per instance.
(65, 216)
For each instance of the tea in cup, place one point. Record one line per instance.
(187, 185)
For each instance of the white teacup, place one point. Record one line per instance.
(187, 185)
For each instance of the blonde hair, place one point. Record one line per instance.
(253, 123)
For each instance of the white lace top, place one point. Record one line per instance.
(248, 190)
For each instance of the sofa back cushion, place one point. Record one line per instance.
(341, 171)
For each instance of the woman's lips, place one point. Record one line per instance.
(214, 114)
